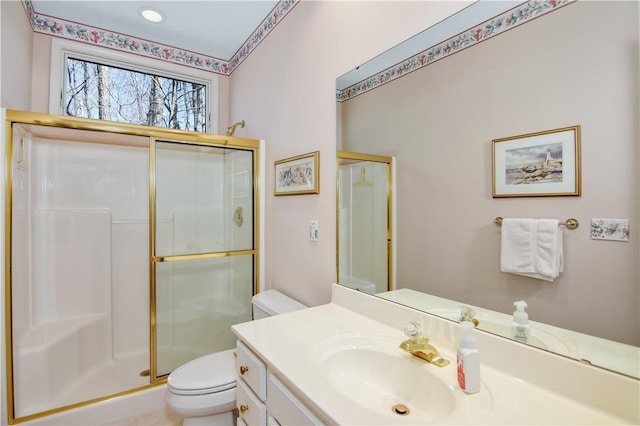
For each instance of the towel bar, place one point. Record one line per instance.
(570, 223)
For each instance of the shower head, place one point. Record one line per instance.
(363, 180)
(232, 128)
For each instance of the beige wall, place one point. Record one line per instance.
(285, 90)
(16, 53)
(41, 70)
(578, 65)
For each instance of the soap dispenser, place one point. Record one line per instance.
(468, 359)
(520, 328)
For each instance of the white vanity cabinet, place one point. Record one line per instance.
(313, 357)
(251, 389)
(262, 398)
(285, 407)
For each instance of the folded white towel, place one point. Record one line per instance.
(549, 256)
(517, 246)
(532, 248)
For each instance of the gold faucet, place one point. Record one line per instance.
(419, 346)
(468, 314)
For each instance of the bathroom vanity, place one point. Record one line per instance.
(341, 363)
(261, 398)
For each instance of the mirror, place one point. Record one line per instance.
(438, 120)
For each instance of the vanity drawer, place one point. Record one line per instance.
(251, 410)
(286, 408)
(252, 370)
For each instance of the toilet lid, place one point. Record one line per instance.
(208, 374)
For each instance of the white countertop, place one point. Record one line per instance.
(290, 344)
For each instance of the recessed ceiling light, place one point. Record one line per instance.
(151, 14)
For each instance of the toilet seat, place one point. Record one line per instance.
(205, 375)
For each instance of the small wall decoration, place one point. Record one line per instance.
(298, 175)
(610, 229)
(540, 164)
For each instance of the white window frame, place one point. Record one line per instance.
(62, 49)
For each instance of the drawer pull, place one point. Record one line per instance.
(243, 369)
(244, 408)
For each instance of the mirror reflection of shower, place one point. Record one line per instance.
(364, 235)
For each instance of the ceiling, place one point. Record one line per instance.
(215, 28)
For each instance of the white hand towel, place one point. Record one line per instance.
(532, 248)
(517, 254)
(548, 255)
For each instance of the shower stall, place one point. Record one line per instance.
(129, 251)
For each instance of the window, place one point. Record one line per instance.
(130, 89)
(94, 90)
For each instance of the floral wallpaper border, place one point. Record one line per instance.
(266, 26)
(53, 26)
(512, 18)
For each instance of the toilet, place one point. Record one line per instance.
(203, 390)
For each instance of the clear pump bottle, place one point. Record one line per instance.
(520, 328)
(468, 359)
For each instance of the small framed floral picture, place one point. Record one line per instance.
(298, 175)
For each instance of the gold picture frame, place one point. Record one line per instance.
(297, 175)
(541, 164)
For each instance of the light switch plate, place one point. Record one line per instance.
(314, 234)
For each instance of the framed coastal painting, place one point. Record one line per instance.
(298, 175)
(540, 164)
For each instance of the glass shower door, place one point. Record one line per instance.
(203, 253)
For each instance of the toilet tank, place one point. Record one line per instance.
(272, 302)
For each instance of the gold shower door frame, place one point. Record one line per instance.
(165, 135)
(156, 376)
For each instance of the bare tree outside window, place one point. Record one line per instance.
(110, 93)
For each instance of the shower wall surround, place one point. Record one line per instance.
(80, 249)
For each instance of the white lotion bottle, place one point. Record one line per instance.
(468, 359)
(520, 328)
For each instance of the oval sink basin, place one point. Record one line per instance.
(389, 385)
(373, 372)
